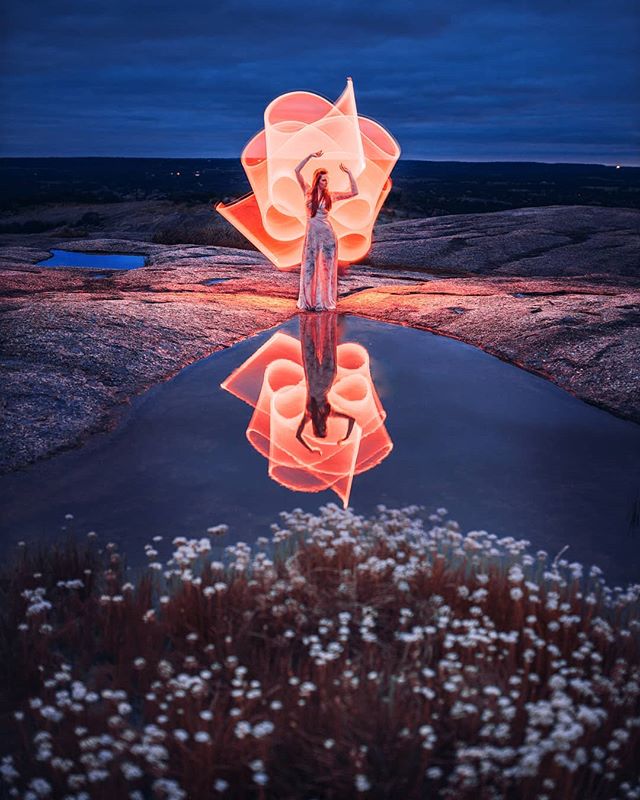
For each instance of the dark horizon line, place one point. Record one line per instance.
(421, 160)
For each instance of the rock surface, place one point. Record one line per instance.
(76, 347)
(582, 335)
(528, 242)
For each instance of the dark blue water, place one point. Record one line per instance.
(501, 449)
(72, 258)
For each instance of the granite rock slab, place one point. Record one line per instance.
(554, 290)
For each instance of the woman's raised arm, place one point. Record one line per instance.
(303, 184)
(354, 187)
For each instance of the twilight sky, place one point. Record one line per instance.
(510, 80)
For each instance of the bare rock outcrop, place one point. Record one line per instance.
(533, 242)
(76, 345)
(554, 290)
(582, 335)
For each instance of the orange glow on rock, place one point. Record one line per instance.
(275, 382)
(273, 215)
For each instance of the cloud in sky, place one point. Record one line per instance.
(543, 80)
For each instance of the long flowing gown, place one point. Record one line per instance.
(319, 267)
(319, 339)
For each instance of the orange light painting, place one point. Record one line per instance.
(275, 382)
(273, 215)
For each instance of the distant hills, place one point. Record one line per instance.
(420, 188)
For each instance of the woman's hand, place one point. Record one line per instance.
(351, 421)
(352, 181)
(316, 155)
(305, 418)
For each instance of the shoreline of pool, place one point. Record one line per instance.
(78, 350)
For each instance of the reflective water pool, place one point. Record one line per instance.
(73, 258)
(413, 418)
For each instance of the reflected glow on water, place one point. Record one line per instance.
(503, 450)
(317, 417)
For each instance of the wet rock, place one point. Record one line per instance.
(75, 349)
(582, 335)
(76, 346)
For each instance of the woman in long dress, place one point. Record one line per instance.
(319, 341)
(319, 267)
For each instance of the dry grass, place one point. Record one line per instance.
(349, 657)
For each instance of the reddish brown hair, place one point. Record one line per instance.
(316, 192)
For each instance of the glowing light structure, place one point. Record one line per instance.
(273, 215)
(273, 382)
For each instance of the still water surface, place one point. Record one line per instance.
(73, 258)
(501, 449)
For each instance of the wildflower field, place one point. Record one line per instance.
(341, 657)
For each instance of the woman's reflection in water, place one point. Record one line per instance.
(319, 341)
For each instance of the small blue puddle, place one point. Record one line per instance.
(73, 258)
(211, 281)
